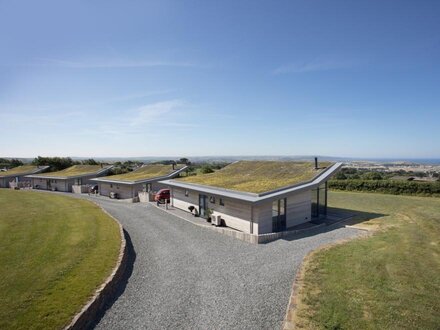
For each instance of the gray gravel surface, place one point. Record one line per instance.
(189, 277)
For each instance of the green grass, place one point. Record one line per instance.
(73, 171)
(54, 252)
(390, 280)
(258, 176)
(143, 173)
(19, 170)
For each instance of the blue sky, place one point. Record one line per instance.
(191, 78)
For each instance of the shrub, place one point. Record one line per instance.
(388, 187)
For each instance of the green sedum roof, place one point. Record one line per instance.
(259, 176)
(75, 170)
(144, 173)
(20, 170)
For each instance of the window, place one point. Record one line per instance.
(212, 199)
(279, 215)
(186, 193)
(221, 202)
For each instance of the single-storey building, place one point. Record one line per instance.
(257, 197)
(76, 178)
(144, 179)
(16, 177)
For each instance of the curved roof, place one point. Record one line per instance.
(74, 171)
(259, 176)
(150, 172)
(23, 170)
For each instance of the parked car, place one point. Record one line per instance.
(162, 196)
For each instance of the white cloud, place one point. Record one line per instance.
(316, 65)
(155, 111)
(113, 63)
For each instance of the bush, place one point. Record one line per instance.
(205, 169)
(388, 187)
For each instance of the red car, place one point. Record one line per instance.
(162, 196)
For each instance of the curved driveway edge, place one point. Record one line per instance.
(88, 315)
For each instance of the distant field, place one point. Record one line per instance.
(54, 252)
(390, 280)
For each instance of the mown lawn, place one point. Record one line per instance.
(390, 280)
(54, 252)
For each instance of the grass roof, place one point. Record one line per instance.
(20, 170)
(143, 173)
(74, 170)
(259, 176)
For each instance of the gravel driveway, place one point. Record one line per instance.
(189, 277)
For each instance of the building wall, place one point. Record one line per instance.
(238, 214)
(4, 182)
(298, 211)
(234, 213)
(124, 191)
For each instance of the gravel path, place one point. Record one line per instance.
(189, 277)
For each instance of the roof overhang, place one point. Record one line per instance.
(262, 197)
(149, 180)
(48, 176)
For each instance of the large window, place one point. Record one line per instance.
(279, 215)
(319, 201)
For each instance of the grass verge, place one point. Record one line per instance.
(390, 280)
(54, 252)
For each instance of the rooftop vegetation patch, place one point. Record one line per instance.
(259, 176)
(74, 170)
(144, 173)
(19, 170)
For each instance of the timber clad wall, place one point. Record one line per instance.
(235, 214)
(4, 182)
(124, 190)
(64, 185)
(238, 214)
(298, 211)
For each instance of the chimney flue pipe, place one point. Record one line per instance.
(316, 163)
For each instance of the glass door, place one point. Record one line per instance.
(202, 205)
(279, 215)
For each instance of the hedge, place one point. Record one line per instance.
(388, 187)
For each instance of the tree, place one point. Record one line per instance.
(340, 176)
(205, 169)
(372, 176)
(90, 161)
(55, 163)
(184, 161)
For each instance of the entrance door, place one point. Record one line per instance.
(49, 186)
(202, 205)
(279, 215)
